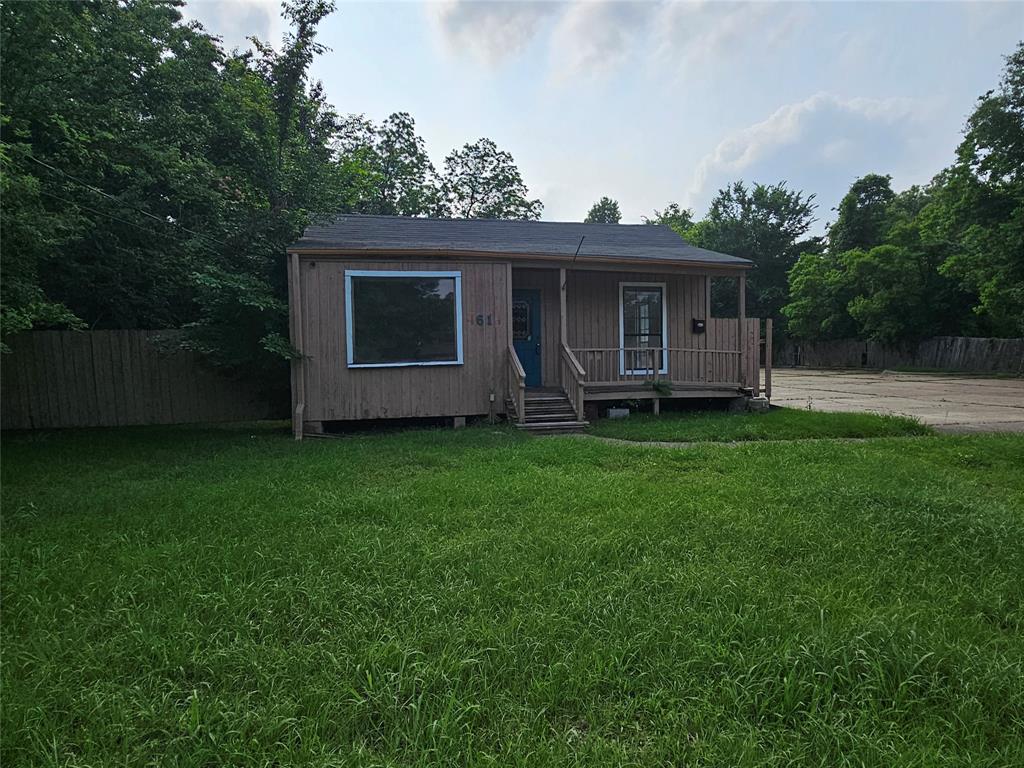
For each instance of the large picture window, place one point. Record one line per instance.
(643, 325)
(403, 318)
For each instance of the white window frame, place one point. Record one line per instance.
(622, 327)
(350, 273)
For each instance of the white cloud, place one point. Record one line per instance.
(237, 20)
(706, 34)
(822, 136)
(491, 32)
(594, 38)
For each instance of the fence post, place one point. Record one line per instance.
(742, 323)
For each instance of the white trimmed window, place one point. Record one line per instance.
(395, 318)
(643, 326)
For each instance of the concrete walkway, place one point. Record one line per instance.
(948, 402)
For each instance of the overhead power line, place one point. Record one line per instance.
(117, 200)
(118, 219)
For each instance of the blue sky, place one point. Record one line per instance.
(652, 102)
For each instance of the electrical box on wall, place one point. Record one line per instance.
(698, 325)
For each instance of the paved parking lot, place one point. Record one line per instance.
(951, 402)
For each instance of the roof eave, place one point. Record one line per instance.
(505, 255)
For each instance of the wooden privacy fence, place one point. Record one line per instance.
(951, 353)
(55, 379)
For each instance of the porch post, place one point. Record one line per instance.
(743, 328)
(508, 300)
(515, 392)
(563, 321)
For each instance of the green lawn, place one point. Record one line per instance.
(776, 424)
(211, 597)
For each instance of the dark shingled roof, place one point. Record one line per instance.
(541, 238)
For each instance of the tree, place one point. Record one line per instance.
(981, 204)
(482, 182)
(400, 179)
(767, 224)
(863, 211)
(890, 293)
(152, 181)
(99, 114)
(241, 298)
(895, 294)
(679, 219)
(818, 299)
(604, 211)
(903, 266)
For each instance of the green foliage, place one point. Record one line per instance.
(892, 299)
(818, 299)
(863, 216)
(151, 180)
(482, 182)
(225, 596)
(604, 211)
(138, 156)
(399, 178)
(983, 203)
(890, 292)
(237, 309)
(679, 219)
(82, 142)
(767, 224)
(26, 223)
(915, 264)
(660, 387)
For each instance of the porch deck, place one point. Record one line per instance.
(712, 357)
(657, 374)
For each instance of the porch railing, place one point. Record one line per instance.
(516, 379)
(610, 365)
(572, 376)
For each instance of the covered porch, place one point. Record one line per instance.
(608, 334)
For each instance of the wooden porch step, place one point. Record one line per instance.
(553, 427)
(548, 418)
(548, 412)
(542, 407)
(555, 413)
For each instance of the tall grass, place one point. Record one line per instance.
(212, 597)
(776, 424)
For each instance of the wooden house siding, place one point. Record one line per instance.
(332, 391)
(325, 388)
(593, 320)
(592, 308)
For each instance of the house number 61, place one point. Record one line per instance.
(485, 319)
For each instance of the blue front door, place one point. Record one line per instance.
(526, 333)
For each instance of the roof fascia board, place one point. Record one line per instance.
(515, 258)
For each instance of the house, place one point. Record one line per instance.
(399, 317)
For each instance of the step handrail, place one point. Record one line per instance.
(516, 384)
(573, 376)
